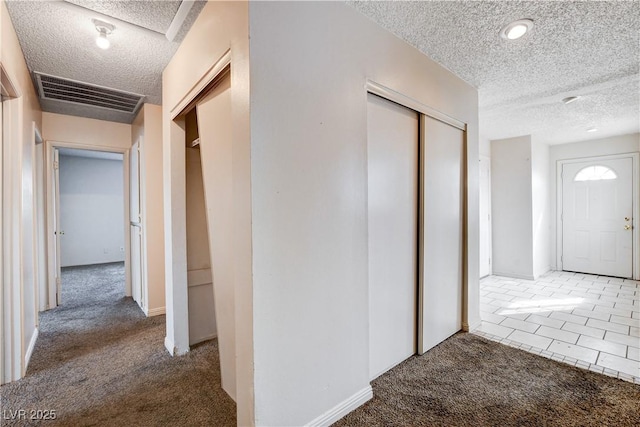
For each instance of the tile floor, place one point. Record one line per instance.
(592, 322)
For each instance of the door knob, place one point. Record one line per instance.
(627, 227)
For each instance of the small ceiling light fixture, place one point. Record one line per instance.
(516, 29)
(592, 130)
(570, 99)
(104, 29)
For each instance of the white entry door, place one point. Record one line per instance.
(393, 232)
(597, 207)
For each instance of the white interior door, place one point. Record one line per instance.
(597, 209)
(214, 128)
(393, 232)
(135, 225)
(442, 206)
(56, 220)
(485, 216)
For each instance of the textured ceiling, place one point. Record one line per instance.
(589, 48)
(58, 38)
(138, 12)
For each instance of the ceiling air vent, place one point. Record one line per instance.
(59, 89)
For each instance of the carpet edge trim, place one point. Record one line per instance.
(343, 408)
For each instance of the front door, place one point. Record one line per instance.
(597, 206)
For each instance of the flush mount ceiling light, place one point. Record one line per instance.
(570, 99)
(516, 29)
(104, 29)
(592, 130)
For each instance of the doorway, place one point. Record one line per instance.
(205, 126)
(87, 211)
(596, 216)
(485, 216)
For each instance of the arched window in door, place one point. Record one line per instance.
(595, 173)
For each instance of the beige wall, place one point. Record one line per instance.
(19, 155)
(80, 130)
(221, 27)
(148, 123)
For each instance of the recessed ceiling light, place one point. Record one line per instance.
(570, 99)
(103, 28)
(516, 29)
(592, 130)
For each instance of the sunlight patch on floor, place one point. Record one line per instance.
(541, 306)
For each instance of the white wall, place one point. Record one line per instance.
(541, 214)
(599, 147)
(484, 146)
(511, 206)
(309, 66)
(91, 211)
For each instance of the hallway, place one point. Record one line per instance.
(99, 361)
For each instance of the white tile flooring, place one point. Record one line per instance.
(592, 322)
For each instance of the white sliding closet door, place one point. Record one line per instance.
(393, 232)
(443, 232)
(214, 128)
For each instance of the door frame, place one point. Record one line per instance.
(141, 222)
(52, 287)
(482, 158)
(424, 111)
(635, 250)
(12, 349)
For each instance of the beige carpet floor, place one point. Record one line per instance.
(100, 362)
(470, 381)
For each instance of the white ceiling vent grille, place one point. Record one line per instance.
(59, 89)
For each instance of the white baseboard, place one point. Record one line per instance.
(343, 408)
(32, 344)
(155, 311)
(515, 276)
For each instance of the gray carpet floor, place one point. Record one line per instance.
(470, 381)
(100, 362)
